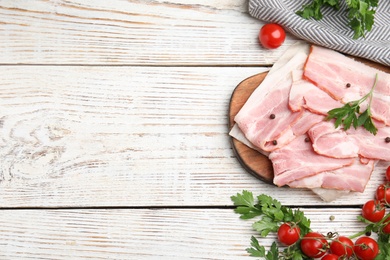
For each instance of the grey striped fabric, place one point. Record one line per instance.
(332, 31)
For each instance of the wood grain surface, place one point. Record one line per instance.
(142, 233)
(119, 32)
(113, 131)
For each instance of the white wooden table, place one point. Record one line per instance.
(114, 134)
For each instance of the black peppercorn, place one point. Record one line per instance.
(348, 85)
(387, 139)
(274, 142)
(272, 116)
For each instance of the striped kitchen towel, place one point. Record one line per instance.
(332, 31)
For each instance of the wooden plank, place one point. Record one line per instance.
(174, 32)
(143, 233)
(125, 136)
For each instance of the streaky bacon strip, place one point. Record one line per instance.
(332, 142)
(349, 178)
(307, 120)
(331, 71)
(298, 160)
(271, 97)
(305, 95)
(338, 143)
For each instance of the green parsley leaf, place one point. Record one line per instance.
(360, 13)
(273, 253)
(384, 247)
(256, 249)
(246, 205)
(271, 207)
(265, 226)
(313, 9)
(347, 114)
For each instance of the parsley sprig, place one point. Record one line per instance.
(349, 114)
(360, 13)
(272, 214)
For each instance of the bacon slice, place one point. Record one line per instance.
(350, 178)
(332, 142)
(298, 160)
(338, 143)
(305, 95)
(331, 71)
(271, 97)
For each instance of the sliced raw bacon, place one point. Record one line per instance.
(291, 104)
(338, 143)
(305, 95)
(298, 160)
(304, 123)
(271, 98)
(332, 71)
(332, 142)
(350, 178)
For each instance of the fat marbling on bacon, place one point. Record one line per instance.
(298, 160)
(271, 99)
(338, 143)
(332, 71)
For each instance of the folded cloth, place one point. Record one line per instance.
(332, 31)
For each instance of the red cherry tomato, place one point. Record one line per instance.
(343, 246)
(330, 257)
(383, 193)
(373, 210)
(288, 234)
(272, 35)
(366, 248)
(386, 227)
(314, 245)
(388, 174)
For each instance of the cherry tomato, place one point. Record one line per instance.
(343, 246)
(288, 234)
(373, 210)
(386, 227)
(388, 173)
(383, 193)
(330, 257)
(314, 245)
(272, 35)
(366, 248)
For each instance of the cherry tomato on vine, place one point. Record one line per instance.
(314, 245)
(288, 234)
(386, 227)
(383, 193)
(342, 246)
(330, 257)
(366, 248)
(272, 36)
(388, 173)
(373, 210)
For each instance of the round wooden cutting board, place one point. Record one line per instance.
(253, 161)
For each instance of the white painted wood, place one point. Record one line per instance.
(124, 136)
(143, 233)
(149, 131)
(175, 32)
